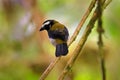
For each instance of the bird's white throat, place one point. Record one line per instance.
(53, 41)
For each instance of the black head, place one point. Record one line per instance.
(46, 25)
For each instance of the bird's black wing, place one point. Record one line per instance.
(59, 34)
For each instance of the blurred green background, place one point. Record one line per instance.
(25, 52)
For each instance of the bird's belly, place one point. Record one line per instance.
(53, 41)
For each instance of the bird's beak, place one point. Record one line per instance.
(42, 28)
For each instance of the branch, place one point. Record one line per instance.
(85, 16)
(52, 64)
(80, 45)
(100, 31)
(49, 68)
(107, 3)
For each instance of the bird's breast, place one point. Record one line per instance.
(56, 41)
(53, 41)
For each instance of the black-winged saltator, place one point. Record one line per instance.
(58, 35)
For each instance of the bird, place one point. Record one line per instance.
(58, 35)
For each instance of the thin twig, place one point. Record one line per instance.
(52, 64)
(100, 31)
(80, 45)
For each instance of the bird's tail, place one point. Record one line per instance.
(61, 49)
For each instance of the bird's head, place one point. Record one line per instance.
(47, 25)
